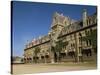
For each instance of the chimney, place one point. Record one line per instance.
(84, 17)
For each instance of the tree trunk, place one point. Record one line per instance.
(52, 55)
(76, 51)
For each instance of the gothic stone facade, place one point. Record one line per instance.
(65, 29)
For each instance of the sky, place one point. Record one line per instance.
(31, 20)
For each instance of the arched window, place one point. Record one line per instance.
(42, 57)
(24, 59)
(89, 21)
(80, 38)
(46, 56)
(90, 31)
(37, 57)
(34, 58)
(27, 59)
(87, 52)
(30, 59)
(71, 54)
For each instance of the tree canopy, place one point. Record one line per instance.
(92, 36)
(37, 50)
(60, 44)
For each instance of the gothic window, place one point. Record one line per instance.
(34, 58)
(37, 57)
(87, 52)
(89, 21)
(95, 20)
(80, 49)
(71, 54)
(42, 57)
(30, 59)
(90, 42)
(80, 38)
(73, 45)
(87, 43)
(46, 56)
(90, 31)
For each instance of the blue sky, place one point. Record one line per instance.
(31, 20)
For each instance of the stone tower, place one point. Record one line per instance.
(56, 27)
(59, 22)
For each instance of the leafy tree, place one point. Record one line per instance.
(92, 37)
(36, 51)
(59, 45)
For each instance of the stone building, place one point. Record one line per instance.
(68, 30)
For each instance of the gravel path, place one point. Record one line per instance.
(45, 68)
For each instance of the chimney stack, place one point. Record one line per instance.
(84, 17)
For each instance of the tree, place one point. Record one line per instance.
(36, 51)
(59, 45)
(92, 37)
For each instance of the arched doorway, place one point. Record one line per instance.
(47, 58)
